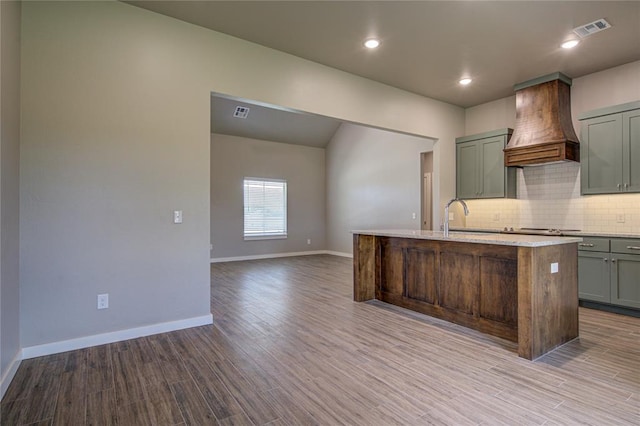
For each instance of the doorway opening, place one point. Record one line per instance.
(426, 191)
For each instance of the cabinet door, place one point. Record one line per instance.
(593, 276)
(601, 155)
(625, 280)
(499, 290)
(492, 170)
(631, 150)
(420, 275)
(467, 170)
(391, 270)
(458, 282)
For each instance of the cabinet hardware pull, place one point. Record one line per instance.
(605, 259)
(587, 245)
(633, 247)
(626, 186)
(613, 260)
(619, 186)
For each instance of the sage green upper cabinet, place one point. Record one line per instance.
(631, 149)
(467, 170)
(480, 170)
(610, 150)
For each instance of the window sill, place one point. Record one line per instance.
(264, 237)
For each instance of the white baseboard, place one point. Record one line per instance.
(267, 256)
(339, 253)
(10, 373)
(116, 336)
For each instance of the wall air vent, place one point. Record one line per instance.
(241, 112)
(591, 28)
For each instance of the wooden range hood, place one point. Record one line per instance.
(544, 131)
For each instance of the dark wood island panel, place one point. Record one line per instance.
(503, 290)
(547, 303)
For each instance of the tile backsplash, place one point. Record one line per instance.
(549, 197)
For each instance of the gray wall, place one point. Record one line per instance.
(373, 181)
(232, 159)
(114, 138)
(9, 188)
(115, 135)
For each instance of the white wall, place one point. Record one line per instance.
(116, 136)
(614, 86)
(549, 195)
(490, 116)
(373, 182)
(234, 158)
(9, 191)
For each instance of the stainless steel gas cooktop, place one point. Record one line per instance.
(538, 231)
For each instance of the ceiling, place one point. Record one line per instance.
(271, 123)
(427, 46)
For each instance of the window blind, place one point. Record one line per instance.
(265, 207)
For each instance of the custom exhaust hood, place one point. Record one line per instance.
(543, 132)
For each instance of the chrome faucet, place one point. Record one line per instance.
(446, 214)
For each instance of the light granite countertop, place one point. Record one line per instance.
(604, 234)
(474, 237)
(569, 233)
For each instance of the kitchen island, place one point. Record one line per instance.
(523, 288)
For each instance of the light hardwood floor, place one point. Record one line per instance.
(289, 347)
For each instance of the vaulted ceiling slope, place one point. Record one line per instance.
(270, 123)
(427, 46)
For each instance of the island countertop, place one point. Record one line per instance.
(518, 240)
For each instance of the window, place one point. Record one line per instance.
(265, 208)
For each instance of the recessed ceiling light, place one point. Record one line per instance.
(570, 44)
(465, 81)
(371, 43)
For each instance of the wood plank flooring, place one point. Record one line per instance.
(289, 347)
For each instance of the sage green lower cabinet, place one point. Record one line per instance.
(593, 276)
(625, 280)
(480, 170)
(611, 276)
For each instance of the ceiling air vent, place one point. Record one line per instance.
(241, 112)
(591, 28)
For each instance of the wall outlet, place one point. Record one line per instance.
(103, 301)
(554, 268)
(620, 218)
(177, 216)
(413, 215)
(309, 241)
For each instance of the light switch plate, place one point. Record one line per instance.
(177, 216)
(103, 301)
(554, 268)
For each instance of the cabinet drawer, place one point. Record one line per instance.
(594, 244)
(625, 246)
